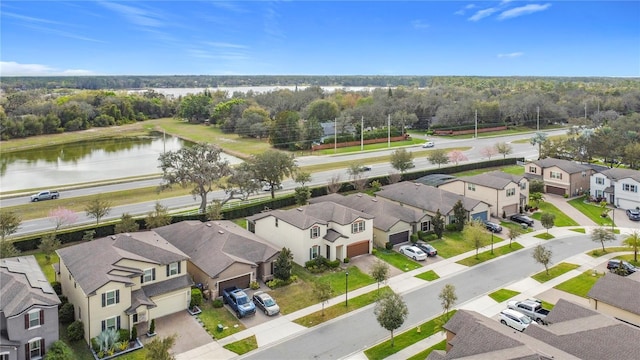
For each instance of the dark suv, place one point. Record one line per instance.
(521, 219)
(493, 227)
(627, 268)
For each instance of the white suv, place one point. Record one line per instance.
(515, 319)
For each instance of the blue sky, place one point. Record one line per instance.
(500, 38)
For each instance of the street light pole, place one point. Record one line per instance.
(346, 289)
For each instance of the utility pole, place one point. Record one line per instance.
(538, 118)
(362, 134)
(389, 130)
(476, 124)
(585, 110)
(335, 135)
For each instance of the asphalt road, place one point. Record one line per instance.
(360, 330)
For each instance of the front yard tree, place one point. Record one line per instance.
(391, 311)
(633, 241)
(282, 267)
(271, 167)
(514, 233)
(542, 255)
(62, 216)
(379, 272)
(447, 298)
(536, 197)
(402, 160)
(601, 235)
(158, 217)
(504, 149)
(127, 224)
(438, 156)
(9, 223)
(159, 349)
(460, 214)
(48, 244)
(438, 224)
(547, 220)
(200, 166)
(475, 232)
(98, 208)
(302, 195)
(323, 292)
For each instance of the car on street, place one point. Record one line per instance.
(633, 214)
(427, 248)
(515, 319)
(493, 227)
(267, 187)
(521, 219)
(428, 144)
(413, 252)
(365, 168)
(266, 303)
(627, 269)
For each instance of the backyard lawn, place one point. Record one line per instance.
(554, 272)
(581, 284)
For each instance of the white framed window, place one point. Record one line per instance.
(599, 181)
(4, 356)
(149, 275)
(110, 298)
(111, 323)
(425, 226)
(36, 348)
(34, 319)
(471, 187)
(555, 175)
(357, 227)
(174, 269)
(533, 169)
(511, 192)
(314, 232)
(314, 251)
(630, 187)
(523, 185)
(584, 174)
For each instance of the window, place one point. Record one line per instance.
(4, 356)
(425, 226)
(173, 269)
(110, 298)
(630, 187)
(314, 232)
(276, 222)
(135, 318)
(471, 187)
(584, 174)
(251, 227)
(36, 348)
(314, 251)
(357, 227)
(599, 181)
(34, 319)
(511, 192)
(523, 185)
(149, 275)
(533, 169)
(111, 323)
(555, 175)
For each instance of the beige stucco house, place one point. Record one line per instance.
(505, 193)
(617, 296)
(325, 229)
(560, 176)
(221, 253)
(123, 280)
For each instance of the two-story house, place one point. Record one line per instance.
(325, 229)
(505, 193)
(617, 296)
(429, 200)
(620, 187)
(391, 223)
(561, 177)
(28, 310)
(221, 253)
(123, 280)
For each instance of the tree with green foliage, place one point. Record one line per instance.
(379, 272)
(514, 233)
(75, 331)
(214, 210)
(98, 208)
(322, 110)
(282, 266)
(302, 177)
(542, 255)
(538, 139)
(59, 350)
(504, 149)
(536, 186)
(158, 217)
(602, 235)
(547, 220)
(159, 348)
(438, 224)
(200, 166)
(8, 250)
(9, 223)
(475, 232)
(402, 160)
(286, 130)
(271, 167)
(127, 224)
(194, 107)
(447, 298)
(438, 156)
(323, 292)
(302, 195)
(391, 312)
(535, 198)
(633, 241)
(48, 244)
(460, 215)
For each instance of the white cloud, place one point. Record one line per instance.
(225, 45)
(30, 18)
(419, 24)
(523, 10)
(12, 68)
(511, 55)
(135, 15)
(481, 14)
(464, 9)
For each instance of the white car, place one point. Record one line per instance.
(428, 144)
(515, 319)
(413, 252)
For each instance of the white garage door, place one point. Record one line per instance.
(169, 304)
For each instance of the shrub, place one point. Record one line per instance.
(152, 327)
(504, 214)
(451, 227)
(75, 331)
(217, 303)
(346, 260)
(254, 285)
(374, 251)
(566, 196)
(333, 264)
(95, 346)
(63, 300)
(59, 350)
(124, 334)
(421, 234)
(388, 245)
(414, 238)
(57, 287)
(430, 237)
(196, 297)
(66, 314)
(134, 333)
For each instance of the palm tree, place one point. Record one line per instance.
(633, 241)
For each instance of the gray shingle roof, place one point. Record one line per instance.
(425, 197)
(23, 285)
(95, 263)
(494, 180)
(216, 245)
(570, 167)
(617, 174)
(619, 291)
(319, 213)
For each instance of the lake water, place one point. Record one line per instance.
(88, 161)
(176, 92)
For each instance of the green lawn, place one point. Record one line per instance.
(340, 309)
(598, 252)
(591, 210)
(579, 230)
(428, 276)
(47, 267)
(581, 284)
(397, 260)
(486, 255)
(554, 272)
(513, 169)
(442, 345)
(629, 258)
(211, 317)
(503, 295)
(453, 244)
(561, 218)
(407, 338)
(544, 236)
(509, 225)
(243, 346)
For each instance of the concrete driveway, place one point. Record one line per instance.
(189, 333)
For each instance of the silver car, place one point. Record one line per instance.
(265, 302)
(515, 319)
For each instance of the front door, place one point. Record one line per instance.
(328, 252)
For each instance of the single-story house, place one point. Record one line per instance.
(28, 309)
(221, 253)
(617, 296)
(561, 177)
(620, 187)
(325, 229)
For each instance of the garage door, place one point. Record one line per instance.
(555, 190)
(399, 237)
(481, 216)
(241, 282)
(359, 248)
(168, 304)
(508, 210)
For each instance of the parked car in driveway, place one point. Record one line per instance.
(633, 214)
(521, 219)
(427, 248)
(493, 227)
(266, 303)
(413, 252)
(515, 319)
(614, 264)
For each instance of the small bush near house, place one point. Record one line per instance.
(346, 260)
(124, 334)
(217, 303)
(75, 331)
(66, 314)
(276, 283)
(63, 300)
(374, 251)
(333, 264)
(388, 245)
(196, 297)
(59, 351)
(414, 238)
(57, 287)
(254, 285)
(451, 227)
(134, 333)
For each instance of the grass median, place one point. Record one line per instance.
(554, 272)
(581, 284)
(487, 255)
(503, 295)
(243, 346)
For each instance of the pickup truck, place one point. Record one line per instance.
(239, 301)
(45, 195)
(532, 309)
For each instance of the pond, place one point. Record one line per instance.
(86, 161)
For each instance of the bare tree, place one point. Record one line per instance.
(323, 292)
(98, 208)
(9, 223)
(62, 216)
(504, 149)
(394, 178)
(334, 184)
(601, 235)
(158, 217)
(488, 151)
(542, 255)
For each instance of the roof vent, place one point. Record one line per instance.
(113, 237)
(299, 209)
(359, 195)
(220, 232)
(208, 224)
(374, 200)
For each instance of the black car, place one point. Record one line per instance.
(633, 214)
(428, 249)
(521, 219)
(627, 268)
(493, 227)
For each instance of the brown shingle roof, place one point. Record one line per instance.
(619, 291)
(494, 180)
(320, 213)
(568, 166)
(618, 173)
(425, 197)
